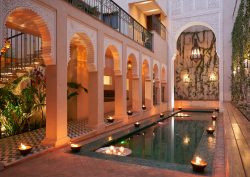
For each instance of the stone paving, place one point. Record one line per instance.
(8, 146)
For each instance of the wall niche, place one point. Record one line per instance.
(197, 80)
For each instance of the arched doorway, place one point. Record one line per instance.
(114, 95)
(146, 85)
(133, 102)
(196, 80)
(28, 25)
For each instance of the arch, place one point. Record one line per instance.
(190, 24)
(156, 72)
(86, 49)
(163, 74)
(116, 58)
(132, 59)
(145, 69)
(32, 17)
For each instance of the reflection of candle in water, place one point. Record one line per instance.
(111, 148)
(210, 128)
(121, 149)
(214, 122)
(186, 140)
(108, 151)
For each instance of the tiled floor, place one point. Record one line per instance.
(8, 146)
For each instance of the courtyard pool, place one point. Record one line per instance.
(169, 143)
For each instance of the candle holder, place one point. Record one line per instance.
(137, 124)
(198, 164)
(180, 108)
(144, 107)
(130, 113)
(24, 149)
(217, 109)
(161, 115)
(110, 119)
(210, 130)
(75, 148)
(214, 117)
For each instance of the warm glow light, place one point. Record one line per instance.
(121, 149)
(110, 118)
(23, 147)
(198, 160)
(212, 77)
(107, 80)
(186, 140)
(186, 78)
(234, 72)
(153, 10)
(74, 145)
(144, 2)
(7, 44)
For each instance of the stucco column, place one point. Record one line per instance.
(120, 88)
(56, 90)
(148, 93)
(136, 94)
(95, 88)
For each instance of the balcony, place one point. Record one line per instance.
(154, 24)
(111, 14)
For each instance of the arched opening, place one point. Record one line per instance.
(111, 81)
(146, 85)
(163, 85)
(196, 69)
(23, 61)
(156, 86)
(132, 86)
(78, 78)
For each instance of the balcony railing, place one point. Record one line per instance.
(111, 14)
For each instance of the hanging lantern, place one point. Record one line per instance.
(7, 44)
(196, 54)
(129, 65)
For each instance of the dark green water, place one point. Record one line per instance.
(165, 141)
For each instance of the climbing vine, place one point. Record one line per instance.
(193, 79)
(240, 88)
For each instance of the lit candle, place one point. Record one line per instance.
(75, 147)
(110, 119)
(121, 149)
(179, 108)
(130, 112)
(24, 149)
(161, 115)
(137, 124)
(198, 164)
(143, 107)
(214, 117)
(210, 130)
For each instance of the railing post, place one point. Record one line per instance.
(102, 10)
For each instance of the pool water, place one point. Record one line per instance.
(174, 140)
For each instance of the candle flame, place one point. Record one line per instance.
(23, 147)
(198, 160)
(74, 145)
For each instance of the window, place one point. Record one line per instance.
(107, 80)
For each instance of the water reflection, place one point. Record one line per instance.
(173, 140)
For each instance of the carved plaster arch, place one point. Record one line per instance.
(116, 49)
(135, 54)
(163, 74)
(48, 31)
(146, 69)
(156, 71)
(89, 35)
(116, 58)
(81, 40)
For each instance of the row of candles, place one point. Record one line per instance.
(198, 163)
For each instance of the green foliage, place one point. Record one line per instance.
(20, 100)
(240, 51)
(74, 89)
